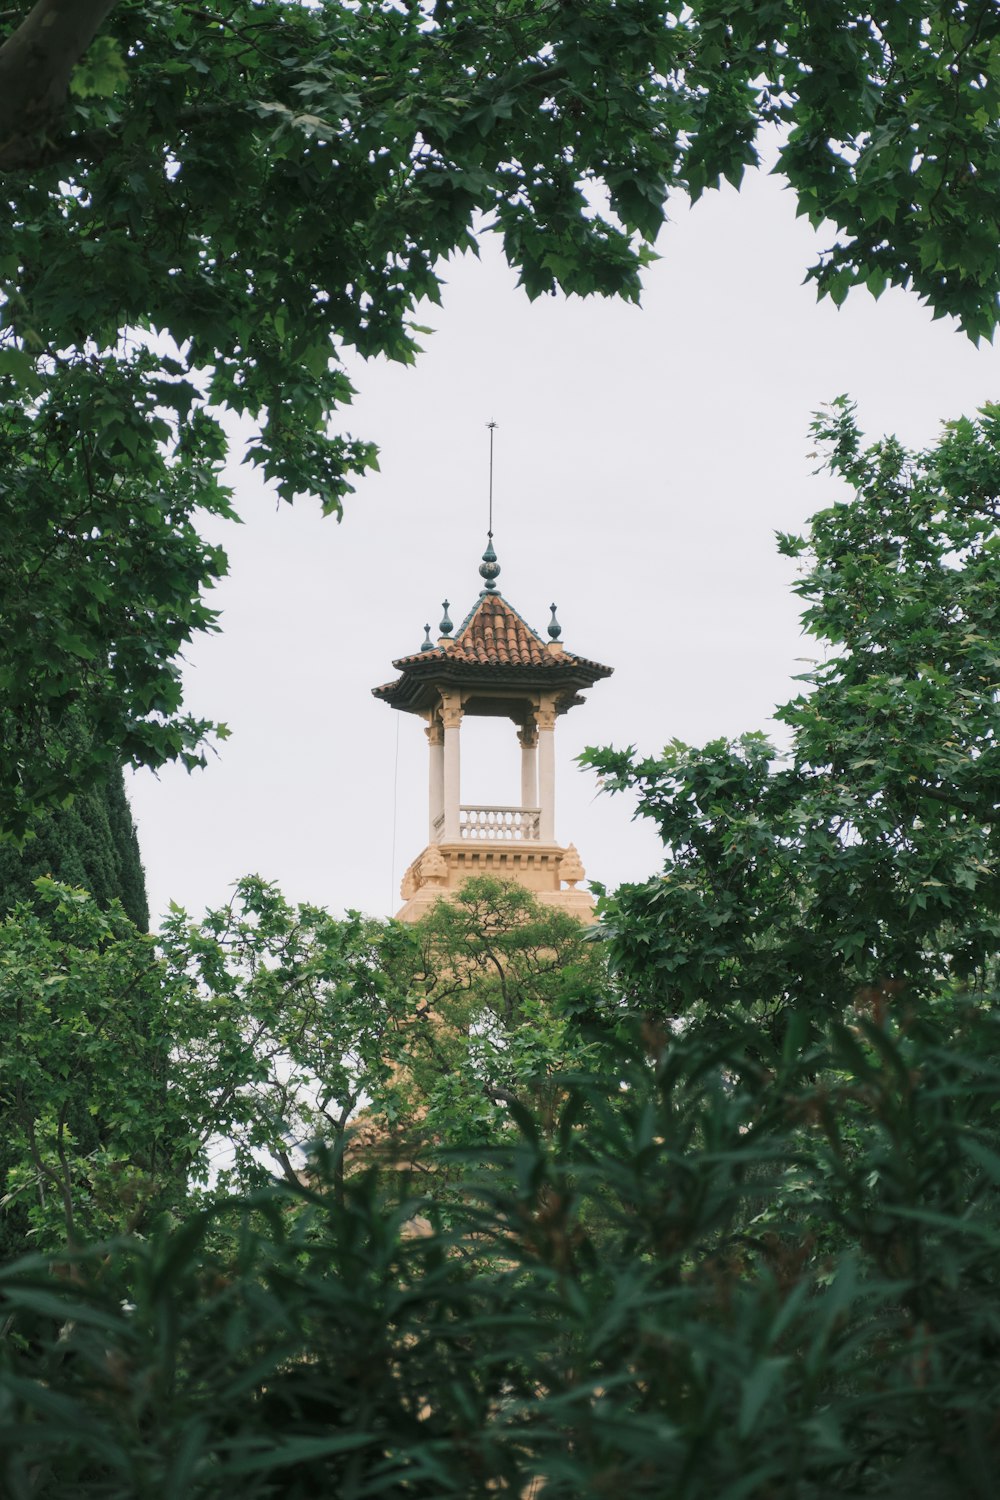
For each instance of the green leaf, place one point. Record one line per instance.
(759, 1387)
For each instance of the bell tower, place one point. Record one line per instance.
(494, 666)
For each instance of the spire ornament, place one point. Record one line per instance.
(447, 625)
(489, 568)
(554, 628)
(428, 644)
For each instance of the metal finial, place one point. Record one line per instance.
(428, 644)
(492, 427)
(489, 568)
(446, 626)
(555, 629)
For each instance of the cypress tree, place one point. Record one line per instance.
(91, 843)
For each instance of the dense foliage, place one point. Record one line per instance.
(213, 210)
(723, 1224)
(712, 1283)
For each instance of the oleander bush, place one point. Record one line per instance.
(715, 1280)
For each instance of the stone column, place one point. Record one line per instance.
(435, 786)
(546, 721)
(451, 718)
(527, 736)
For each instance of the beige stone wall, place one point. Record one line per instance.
(549, 871)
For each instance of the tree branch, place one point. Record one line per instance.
(36, 62)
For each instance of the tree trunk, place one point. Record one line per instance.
(35, 66)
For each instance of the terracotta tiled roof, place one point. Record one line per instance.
(495, 635)
(492, 639)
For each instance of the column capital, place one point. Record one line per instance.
(545, 716)
(451, 710)
(434, 731)
(527, 734)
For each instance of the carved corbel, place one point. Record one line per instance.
(451, 710)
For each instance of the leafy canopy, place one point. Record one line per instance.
(139, 1074)
(214, 210)
(868, 858)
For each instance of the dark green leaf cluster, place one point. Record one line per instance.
(358, 143)
(890, 131)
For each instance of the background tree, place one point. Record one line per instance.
(381, 1038)
(359, 146)
(865, 861)
(223, 1054)
(499, 985)
(292, 1028)
(138, 1075)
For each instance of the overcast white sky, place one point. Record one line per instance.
(644, 459)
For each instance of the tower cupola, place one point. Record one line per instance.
(493, 665)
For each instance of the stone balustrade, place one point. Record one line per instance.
(518, 825)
